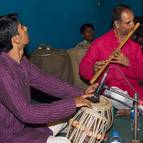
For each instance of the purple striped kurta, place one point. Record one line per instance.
(16, 109)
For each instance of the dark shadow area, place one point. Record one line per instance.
(138, 35)
(41, 97)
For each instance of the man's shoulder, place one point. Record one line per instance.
(82, 45)
(106, 36)
(103, 39)
(2, 62)
(3, 67)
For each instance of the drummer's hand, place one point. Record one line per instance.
(91, 89)
(99, 65)
(81, 101)
(120, 58)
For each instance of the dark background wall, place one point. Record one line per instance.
(56, 23)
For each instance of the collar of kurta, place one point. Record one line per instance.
(9, 60)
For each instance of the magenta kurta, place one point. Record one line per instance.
(16, 109)
(101, 49)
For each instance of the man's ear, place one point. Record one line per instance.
(116, 24)
(16, 39)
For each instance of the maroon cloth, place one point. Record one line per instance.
(16, 109)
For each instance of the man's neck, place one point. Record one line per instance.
(16, 54)
(119, 35)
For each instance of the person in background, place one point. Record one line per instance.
(21, 121)
(87, 31)
(127, 61)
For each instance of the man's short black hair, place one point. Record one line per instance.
(84, 26)
(8, 28)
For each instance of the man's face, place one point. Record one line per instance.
(22, 30)
(126, 23)
(88, 34)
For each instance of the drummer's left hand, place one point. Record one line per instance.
(91, 89)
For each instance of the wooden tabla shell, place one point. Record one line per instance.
(87, 126)
(104, 107)
(90, 125)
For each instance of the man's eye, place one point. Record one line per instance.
(129, 22)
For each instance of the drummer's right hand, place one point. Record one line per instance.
(81, 101)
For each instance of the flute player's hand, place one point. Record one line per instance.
(120, 58)
(99, 65)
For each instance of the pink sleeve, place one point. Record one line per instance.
(136, 64)
(86, 67)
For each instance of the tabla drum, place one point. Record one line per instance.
(90, 125)
(104, 107)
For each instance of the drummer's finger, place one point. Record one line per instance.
(87, 95)
(87, 103)
(94, 85)
(91, 88)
